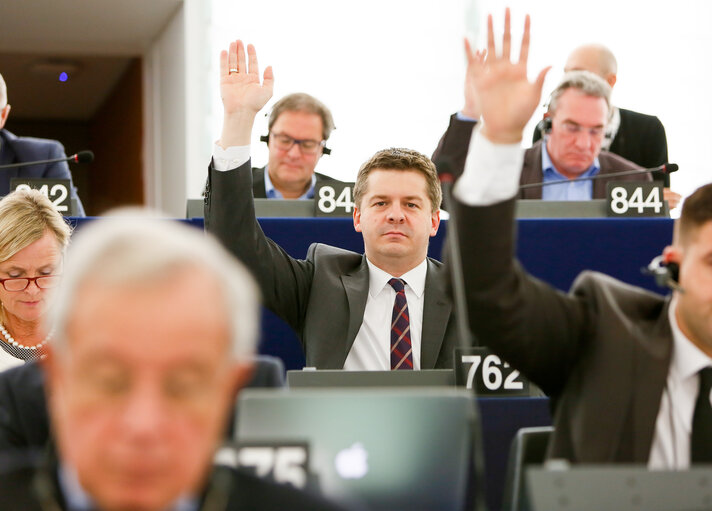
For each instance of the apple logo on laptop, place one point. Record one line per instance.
(352, 462)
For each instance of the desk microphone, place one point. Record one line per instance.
(80, 157)
(666, 168)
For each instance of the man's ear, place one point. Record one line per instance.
(672, 254)
(4, 113)
(241, 374)
(611, 79)
(357, 219)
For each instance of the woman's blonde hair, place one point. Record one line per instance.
(25, 216)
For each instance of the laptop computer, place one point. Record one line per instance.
(340, 378)
(386, 449)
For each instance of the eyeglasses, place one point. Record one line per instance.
(20, 284)
(285, 143)
(571, 128)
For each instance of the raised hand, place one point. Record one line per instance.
(476, 58)
(506, 97)
(242, 93)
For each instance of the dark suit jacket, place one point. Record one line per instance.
(601, 352)
(24, 422)
(18, 491)
(322, 297)
(454, 144)
(15, 149)
(640, 138)
(258, 182)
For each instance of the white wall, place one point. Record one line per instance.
(392, 70)
(165, 140)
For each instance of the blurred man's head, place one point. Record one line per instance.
(578, 112)
(397, 197)
(154, 328)
(307, 120)
(596, 59)
(692, 252)
(4, 106)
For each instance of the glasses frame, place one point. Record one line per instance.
(28, 279)
(300, 142)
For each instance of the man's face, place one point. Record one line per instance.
(139, 400)
(291, 170)
(577, 129)
(694, 305)
(396, 219)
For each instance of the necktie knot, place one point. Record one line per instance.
(399, 285)
(706, 380)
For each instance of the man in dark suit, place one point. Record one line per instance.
(14, 149)
(154, 330)
(576, 119)
(637, 137)
(627, 369)
(339, 302)
(299, 126)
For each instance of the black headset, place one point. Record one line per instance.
(665, 274)
(546, 124)
(265, 139)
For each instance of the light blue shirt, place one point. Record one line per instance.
(273, 193)
(574, 190)
(78, 500)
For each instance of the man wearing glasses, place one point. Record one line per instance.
(575, 123)
(299, 126)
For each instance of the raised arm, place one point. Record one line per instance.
(242, 93)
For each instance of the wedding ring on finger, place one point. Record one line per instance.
(233, 70)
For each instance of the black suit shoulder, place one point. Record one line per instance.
(23, 412)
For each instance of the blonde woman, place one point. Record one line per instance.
(33, 236)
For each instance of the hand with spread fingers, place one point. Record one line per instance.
(506, 97)
(242, 93)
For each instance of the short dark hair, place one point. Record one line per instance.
(696, 211)
(302, 102)
(400, 159)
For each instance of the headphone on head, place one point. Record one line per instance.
(546, 124)
(666, 274)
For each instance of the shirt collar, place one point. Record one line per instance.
(687, 359)
(273, 193)
(547, 166)
(79, 500)
(414, 278)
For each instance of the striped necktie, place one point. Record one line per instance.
(401, 348)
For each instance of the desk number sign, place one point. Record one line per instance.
(334, 199)
(286, 463)
(635, 199)
(488, 374)
(56, 190)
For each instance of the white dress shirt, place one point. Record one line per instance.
(673, 427)
(371, 349)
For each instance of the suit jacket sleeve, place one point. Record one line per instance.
(536, 328)
(454, 144)
(285, 282)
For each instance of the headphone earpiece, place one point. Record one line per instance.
(265, 138)
(546, 124)
(665, 274)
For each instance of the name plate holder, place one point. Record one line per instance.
(477, 367)
(636, 199)
(56, 190)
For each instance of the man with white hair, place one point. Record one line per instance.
(14, 149)
(576, 119)
(154, 329)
